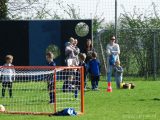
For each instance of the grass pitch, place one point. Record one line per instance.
(142, 103)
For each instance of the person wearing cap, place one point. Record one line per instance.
(113, 51)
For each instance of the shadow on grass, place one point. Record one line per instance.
(154, 99)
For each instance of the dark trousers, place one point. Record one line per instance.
(51, 91)
(85, 81)
(69, 88)
(4, 86)
(94, 81)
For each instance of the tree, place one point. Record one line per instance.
(136, 32)
(3, 9)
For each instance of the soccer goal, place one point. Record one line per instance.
(41, 89)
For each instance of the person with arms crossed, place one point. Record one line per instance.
(113, 51)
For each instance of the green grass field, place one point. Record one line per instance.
(142, 103)
(34, 97)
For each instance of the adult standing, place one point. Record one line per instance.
(76, 52)
(69, 52)
(72, 52)
(89, 50)
(113, 51)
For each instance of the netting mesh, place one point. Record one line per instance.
(67, 89)
(40, 90)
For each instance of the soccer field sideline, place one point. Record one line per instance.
(141, 103)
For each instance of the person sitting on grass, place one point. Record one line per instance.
(119, 77)
(118, 73)
(82, 58)
(94, 70)
(8, 76)
(50, 82)
(70, 85)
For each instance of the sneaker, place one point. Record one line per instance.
(109, 89)
(93, 89)
(96, 89)
(51, 102)
(85, 89)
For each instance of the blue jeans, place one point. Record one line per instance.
(118, 81)
(109, 73)
(110, 68)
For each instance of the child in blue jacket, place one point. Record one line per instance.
(94, 70)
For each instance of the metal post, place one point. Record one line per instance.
(116, 20)
(154, 56)
(103, 57)
(99, 37)
(82, 90)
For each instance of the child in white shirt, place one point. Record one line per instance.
(8, 75)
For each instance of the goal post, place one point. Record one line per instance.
(41, 89)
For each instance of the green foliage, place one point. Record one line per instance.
(97, 24)
(54, 49)
(3, 9)
(136, 34)
(82, 29)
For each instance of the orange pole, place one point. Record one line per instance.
(54, 78)
(82, 89)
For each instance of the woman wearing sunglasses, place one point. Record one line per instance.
(113, 51)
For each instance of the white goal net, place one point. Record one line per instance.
(41, 90)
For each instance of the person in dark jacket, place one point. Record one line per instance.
(50, 81)
(94, 70)
(88, 50)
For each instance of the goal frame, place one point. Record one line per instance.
(81, 68)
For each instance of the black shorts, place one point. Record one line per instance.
(7, 84)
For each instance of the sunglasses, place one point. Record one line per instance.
(113, 39)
